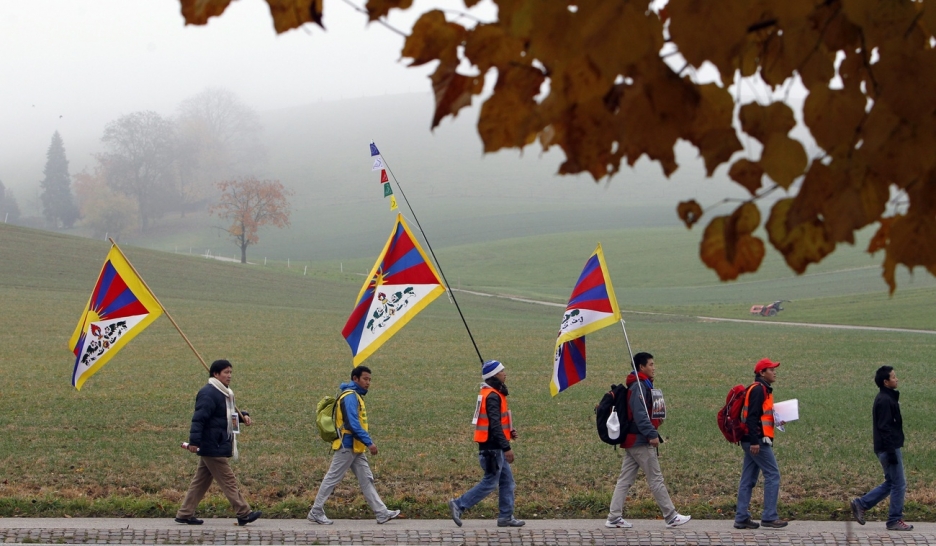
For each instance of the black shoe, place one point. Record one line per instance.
(251, 517)
(746, 524)
(190, 521)
(775, 524)
(857, 512)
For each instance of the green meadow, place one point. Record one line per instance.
(112, 449)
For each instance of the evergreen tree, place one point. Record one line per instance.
(9, 209)
(58, 203)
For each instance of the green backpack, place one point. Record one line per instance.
(325, 417)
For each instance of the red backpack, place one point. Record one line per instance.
(729, 417)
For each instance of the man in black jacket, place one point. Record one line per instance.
(493, 432)
(212, 438)
(888, 440)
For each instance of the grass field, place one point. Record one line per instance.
(112, 448)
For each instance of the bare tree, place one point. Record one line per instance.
(221, 141)
(140, 162)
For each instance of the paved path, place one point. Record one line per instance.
(444, 532)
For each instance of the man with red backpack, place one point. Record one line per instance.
(640, 448)
(758, 415)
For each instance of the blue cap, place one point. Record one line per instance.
(491, 368)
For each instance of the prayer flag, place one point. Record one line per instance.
(387, 190)
(393, 205)
(120, 307)
(591, 307)
(383, 176)
(373, 149)
(401, 284)
(378, 164)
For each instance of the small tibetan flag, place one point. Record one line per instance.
(401, 284)
(120, 307)
(592, 306)
(383, 176)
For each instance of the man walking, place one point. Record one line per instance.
(888, 441)
(758, 415)
(350, 450)
(212, 437)
(493, 431)
(641, 440)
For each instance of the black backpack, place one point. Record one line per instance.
(613, 400)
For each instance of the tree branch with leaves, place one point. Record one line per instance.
(615, 80)
(249, 204)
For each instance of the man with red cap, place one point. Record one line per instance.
(758, 415)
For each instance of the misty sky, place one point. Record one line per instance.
(74, 65)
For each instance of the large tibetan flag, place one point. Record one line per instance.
(120, 307)
(402, 283)
(592, 306)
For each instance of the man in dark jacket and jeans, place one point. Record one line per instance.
(212, 438)
(888, 440)
(493, 432)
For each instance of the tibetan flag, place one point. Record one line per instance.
(120, 307)
(402, 283)
(592, 306)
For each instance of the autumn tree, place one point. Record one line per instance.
(105, 211)
(613, 80)
(140, 161)
(220, 140)
(249, 204)
(58, 203)
(9, 208)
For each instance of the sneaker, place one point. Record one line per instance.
(774, 524)
(190, 521)
(512, 522)
(899, 526)
(456, 512)
(618, 523)
(392, 514)
(321, 519)
(857, 512)
(677, 520)
(748, 523)
(249, 518)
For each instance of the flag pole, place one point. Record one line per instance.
(438, 265)
(172, 320)
(634, 365)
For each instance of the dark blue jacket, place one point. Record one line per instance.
(210, 424)
(888, 424)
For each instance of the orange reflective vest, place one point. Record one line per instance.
(481, 417)
(767, 416)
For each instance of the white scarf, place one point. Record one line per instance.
(229, 408)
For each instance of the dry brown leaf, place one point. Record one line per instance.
(783, 159)
(881, 236)
(834, 117)
(508, 117)
(747, 173)
(434, 38)
(197, 12)
(689, 212)
(380, 8)
(763, 121)
(453, 91)
(911, 242)
(489, 46)
(801, 245)
(290, 14)
(728, 246)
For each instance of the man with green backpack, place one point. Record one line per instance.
(350, 450)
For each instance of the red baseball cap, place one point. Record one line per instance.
(764, 364)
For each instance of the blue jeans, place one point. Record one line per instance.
(894, 485)
(497, 475)
(764, 462)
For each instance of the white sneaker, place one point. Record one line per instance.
(391, 514)
(618, 523)
(321, 519)
(677, 520)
